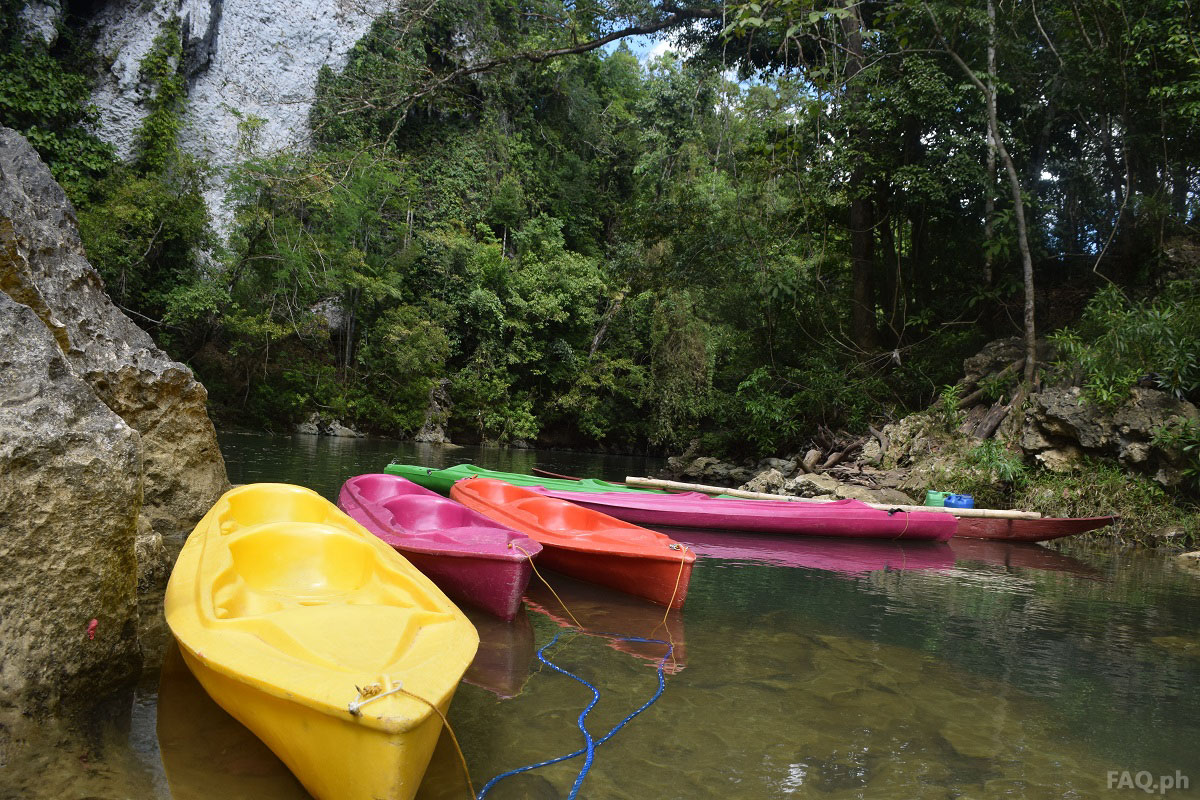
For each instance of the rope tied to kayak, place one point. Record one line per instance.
(590, 742)
(547, 583)
(374, 691)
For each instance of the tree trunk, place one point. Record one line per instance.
(862, 318)
(989, 204)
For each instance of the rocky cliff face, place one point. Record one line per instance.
(245, 61)
(105, 450)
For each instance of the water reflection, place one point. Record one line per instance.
(506, 651)
(205, 752)
(1026, 555)
(611, 616)
(847, 556)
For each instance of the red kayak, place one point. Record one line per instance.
(847, 519)
(586, 544)
(470, 557)
(1028, 530)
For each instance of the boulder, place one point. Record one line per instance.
(177, 471)
(336, 428)
(70, 489)
(784, 466)
(811, 486)
(436, 412)
(1060, 427)
(769, 481)
(868, 495)
(182, 466)
(310, 426)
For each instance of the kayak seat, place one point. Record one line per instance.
(418, 513)
(498, 492)
(276, 503)
(377, 488)
(557, 515)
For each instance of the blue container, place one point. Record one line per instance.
(960, 501)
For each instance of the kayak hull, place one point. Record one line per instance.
(846, 519)
(1028, 530)
(335, 757)
(472, 558)
(286, 611)
(585, 544)
(657, 580)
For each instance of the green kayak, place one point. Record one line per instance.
(440, 480)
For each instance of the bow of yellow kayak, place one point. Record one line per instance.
(319, 638)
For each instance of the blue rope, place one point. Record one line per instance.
(590, 744)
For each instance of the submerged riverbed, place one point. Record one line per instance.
(801, 668)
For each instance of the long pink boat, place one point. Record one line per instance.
(473, 559)
(848, 519)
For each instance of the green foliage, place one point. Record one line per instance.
(1119, 343)
(162, 70)
(142, 234)
(1103, 487)
(587, 249)
(44, 94)
(948, 412)
(999, 463)
(1182, 435)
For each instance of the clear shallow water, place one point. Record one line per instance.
(802, 668)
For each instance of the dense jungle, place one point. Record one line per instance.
(791, 216)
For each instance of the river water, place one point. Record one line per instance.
(801, 668)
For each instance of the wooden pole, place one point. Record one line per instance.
(987, 513)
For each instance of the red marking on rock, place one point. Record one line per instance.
(92, 628)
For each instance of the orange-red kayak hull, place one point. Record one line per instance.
(586, 544)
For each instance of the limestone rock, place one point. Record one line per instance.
(237, 67)
(784, 466)
(1068, 458)
(310, 426)
(436, 413)
(708, 470)
(177, 471)
(70, 489)
(869, 495)
(1060, 426)
(336, 428)
(42, 261)
(811, 485)
(768, 481)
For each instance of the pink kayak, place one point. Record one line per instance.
(470, 557)
(840, 518)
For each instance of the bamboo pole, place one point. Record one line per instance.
(987, 513)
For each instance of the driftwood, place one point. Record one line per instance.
(989, 513)
(987, 426)
(836, 457)
(973, 397)
(884, 443)
(809, 464)
(972, 420)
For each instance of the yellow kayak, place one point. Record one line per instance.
(319, 638)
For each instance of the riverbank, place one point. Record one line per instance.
(1056, 452)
